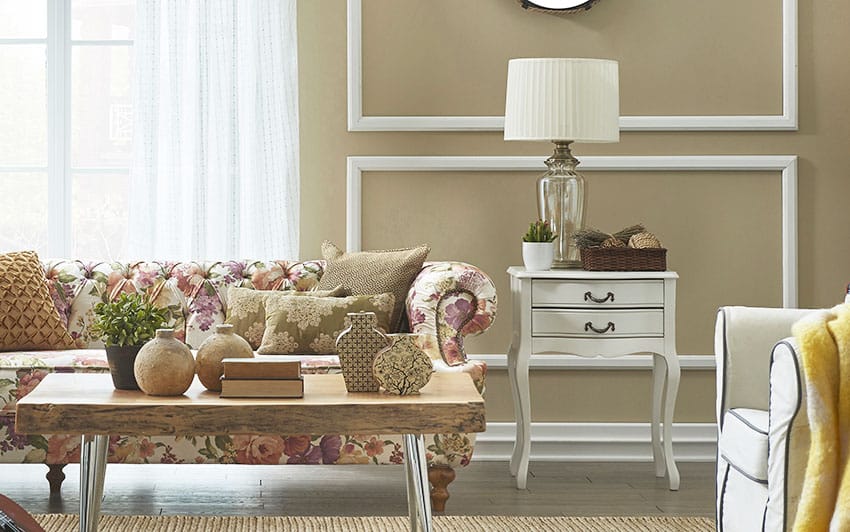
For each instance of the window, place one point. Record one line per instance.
(65, 126)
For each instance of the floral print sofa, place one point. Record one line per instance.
(447, 301)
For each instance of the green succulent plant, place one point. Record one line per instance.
(129, 320)
(539, 231)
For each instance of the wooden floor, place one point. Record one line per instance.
(483, 488)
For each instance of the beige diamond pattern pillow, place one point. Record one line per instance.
(28, 318)
(374, 272)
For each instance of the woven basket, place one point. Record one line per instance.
(624, 259)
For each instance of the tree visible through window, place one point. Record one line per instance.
(65, 126)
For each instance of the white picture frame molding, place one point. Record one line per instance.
(787, 121)
(785, 164)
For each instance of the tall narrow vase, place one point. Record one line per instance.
(357, 346)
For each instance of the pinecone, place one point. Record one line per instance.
(644, 240)
(612, 242)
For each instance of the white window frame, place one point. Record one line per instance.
(59, 169)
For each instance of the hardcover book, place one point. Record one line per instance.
(261, 368)
(280, 388)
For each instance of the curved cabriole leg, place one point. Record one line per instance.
(55, 476)
(440, 477)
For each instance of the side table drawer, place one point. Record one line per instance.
(598, 323)
(551, 293)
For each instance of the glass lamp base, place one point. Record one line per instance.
(566, 265)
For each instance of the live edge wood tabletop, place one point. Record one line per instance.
(79, 403)
(89, 405)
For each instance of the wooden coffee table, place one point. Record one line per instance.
(88, 404)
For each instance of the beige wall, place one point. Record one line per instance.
(443, 57)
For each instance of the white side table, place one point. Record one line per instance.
(592, 314)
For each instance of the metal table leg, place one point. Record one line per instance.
(418, 492)
(92, 472)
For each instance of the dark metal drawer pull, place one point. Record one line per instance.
(589, 326)
(589, 297)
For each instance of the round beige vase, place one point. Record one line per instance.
(222, 344)
(403, 368)
(164, 365)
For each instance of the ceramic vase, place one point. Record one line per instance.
(403, 368)
(357, 346)
(121, 360)
(164, 365)
(222, 344)
(538, 256)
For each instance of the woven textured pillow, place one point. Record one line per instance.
(246, 309)
(374, 272)
(28, 318)
(311, 325)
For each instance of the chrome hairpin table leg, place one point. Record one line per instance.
(92, 472)
(418, 492)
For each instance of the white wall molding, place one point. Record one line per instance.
(786, 121)
(596, 442)
(786, 164)
(573, 362)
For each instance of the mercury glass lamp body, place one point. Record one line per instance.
(561, 202)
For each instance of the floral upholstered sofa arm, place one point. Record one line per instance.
(448, 301)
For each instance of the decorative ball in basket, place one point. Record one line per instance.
(630, 249)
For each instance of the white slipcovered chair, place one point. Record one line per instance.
(761, 417)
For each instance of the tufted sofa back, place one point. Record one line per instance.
(195, 293)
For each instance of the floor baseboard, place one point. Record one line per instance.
(596, 442)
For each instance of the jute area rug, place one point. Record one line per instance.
(180, 523)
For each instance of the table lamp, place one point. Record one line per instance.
(562, 101)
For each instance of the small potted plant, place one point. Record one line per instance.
(124, 325)
(538, 248)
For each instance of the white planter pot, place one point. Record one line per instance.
(538, 256)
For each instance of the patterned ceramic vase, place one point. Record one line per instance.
(357, 347)
(222, 344)
(403, 368)
(164, 365)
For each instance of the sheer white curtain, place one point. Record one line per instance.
(215, 164)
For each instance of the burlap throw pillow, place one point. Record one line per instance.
(28, 318)
(311, 325)
(246, 310)
(374, 272)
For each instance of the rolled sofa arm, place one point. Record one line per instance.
(788, 436)
(448, 301)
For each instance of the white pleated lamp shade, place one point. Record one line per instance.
(555, 99)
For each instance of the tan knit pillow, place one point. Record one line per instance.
(374, 272)
(246, 311)
(28, 319)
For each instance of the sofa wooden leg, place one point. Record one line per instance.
(55, 476)
(440, 477)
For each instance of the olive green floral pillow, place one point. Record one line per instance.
(246, 311)
(311, 325)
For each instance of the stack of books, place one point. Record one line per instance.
(255, 377)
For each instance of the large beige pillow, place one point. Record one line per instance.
(311, 325)
(374, 272)
(28, 319)
(246, 309)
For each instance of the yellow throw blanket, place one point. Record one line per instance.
(824, 342)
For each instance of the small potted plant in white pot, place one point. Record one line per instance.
(538, 248)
